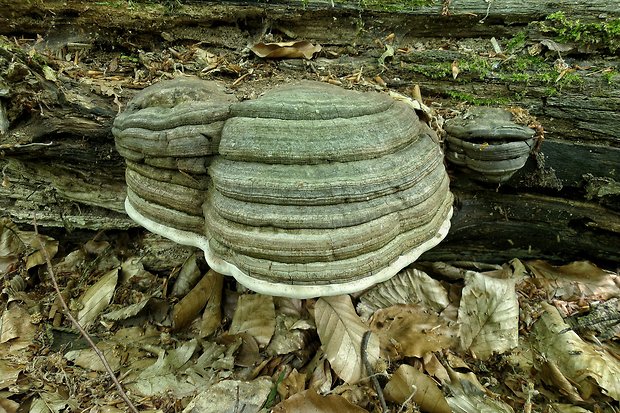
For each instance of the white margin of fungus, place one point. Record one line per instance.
(280, 289)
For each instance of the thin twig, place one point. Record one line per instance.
(370, 371)
(77, 325)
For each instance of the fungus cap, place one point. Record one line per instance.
(487, 144)
(312, 190)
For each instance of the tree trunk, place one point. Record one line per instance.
(68, 67)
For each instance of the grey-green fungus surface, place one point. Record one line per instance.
(309, 190)
(487, 144)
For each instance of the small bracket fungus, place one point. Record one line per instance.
(309, 190)
(486, 143)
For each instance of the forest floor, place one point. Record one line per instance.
(526, 336)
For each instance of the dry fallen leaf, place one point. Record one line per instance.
(341, 332)
(417, 332)
(232, 396)
(97, 297)
(409, 382)
(186, 310)
(407, 287)
(310, 402)
(488, 315)
(588, 367)
(255, 315)
(575, 281)
(290, 50)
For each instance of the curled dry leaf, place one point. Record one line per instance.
(408, 382)
(584, 365)
(97, 297)
(310, 402)
(575, 281)
(410, 286)
(212, 314)
(290, 50)
(488, 315)
(188, 277)
(255, 315)
(341, 332)
(294, 383)
(417, 332)
(186, 310)
(232, 396)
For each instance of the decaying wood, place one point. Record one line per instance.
(62, 83)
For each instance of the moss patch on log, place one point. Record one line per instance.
(603, 35)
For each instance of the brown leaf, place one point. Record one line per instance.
(575, 281)
(416, 330)
(186, 310)
(294, 383)
(341, 332)
(212, 314)
(455, 69)
(290, 50)
(488, 315)
(255, 315)
(310, 402)
(408, 381)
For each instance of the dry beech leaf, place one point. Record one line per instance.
(455, 69)
(88, 359)
(186, 310)
(409, 286)
(255, 315)
(232, 396)
(468, 395)
(321, 379)
(8, 405)
(290, 50)
(212, 314)
(310, 402)
(584, 365)
(488, 315)
(341, 332)
(294, 383)
(188, 277)
(97, 297)
(37, 257)
(417, 332)
(408, 380)
(575, 281)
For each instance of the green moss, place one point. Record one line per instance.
(517, 42)
(439, 70)
(477, 66)
(610, 75)
(605, 34)
(466, 97)
(551, 91)
(393, 5)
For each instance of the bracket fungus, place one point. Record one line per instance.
(309, 190)
(486, 143)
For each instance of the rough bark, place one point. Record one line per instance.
(60, 93)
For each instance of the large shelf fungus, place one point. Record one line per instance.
(486, 143)
(312, 190)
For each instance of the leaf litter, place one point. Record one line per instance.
(528, 336)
